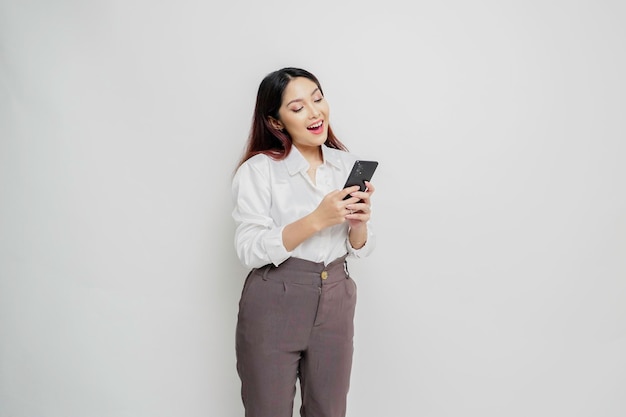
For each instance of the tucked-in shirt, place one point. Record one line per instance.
(269, 194)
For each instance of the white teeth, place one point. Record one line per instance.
(315, 126)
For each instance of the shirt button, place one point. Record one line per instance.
(324, 274)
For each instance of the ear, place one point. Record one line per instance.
(276, 124)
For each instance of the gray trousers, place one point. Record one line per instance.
(296, 321)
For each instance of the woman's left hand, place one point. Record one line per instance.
(359, 213)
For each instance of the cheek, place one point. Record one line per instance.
(291, 121)
(324, 109)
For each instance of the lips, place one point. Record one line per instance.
(316, 127)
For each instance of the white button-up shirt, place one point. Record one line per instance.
(270, 194)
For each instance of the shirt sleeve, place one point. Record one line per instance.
(258, 240)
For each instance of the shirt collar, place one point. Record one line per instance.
(297, 163)
(331, 157)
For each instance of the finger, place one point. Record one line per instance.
(357, 216)
(349, 190)
(359, 207)
(370, 187)
(352, 205)
(364, 195)
(361, 195)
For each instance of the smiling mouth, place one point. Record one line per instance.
(316, 125)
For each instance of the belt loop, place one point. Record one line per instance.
(345, 268)
(267, 269)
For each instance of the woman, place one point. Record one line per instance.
(294, 230)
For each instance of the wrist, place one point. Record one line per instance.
(358, 237)
(313, 223)
(357, 245)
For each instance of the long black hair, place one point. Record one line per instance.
(263, 137)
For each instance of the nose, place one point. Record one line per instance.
(314, 112)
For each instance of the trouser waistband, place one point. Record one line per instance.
(302, 271)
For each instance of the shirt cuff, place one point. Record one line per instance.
(274, 246)
(364, 250)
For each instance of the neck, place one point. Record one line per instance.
(312, 154)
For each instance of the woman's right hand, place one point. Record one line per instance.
(332, 209)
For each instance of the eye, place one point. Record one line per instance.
(298, 109)
(317, 100)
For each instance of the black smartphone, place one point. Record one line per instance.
(361, 171)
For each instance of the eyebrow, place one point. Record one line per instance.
(299, 99)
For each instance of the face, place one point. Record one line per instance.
(303, 113)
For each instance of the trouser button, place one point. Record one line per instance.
(324, 274)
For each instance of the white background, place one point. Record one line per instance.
(498, 287)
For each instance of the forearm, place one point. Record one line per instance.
(358, 236)
(297, 232)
